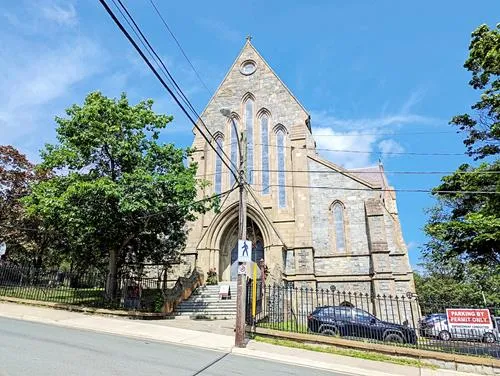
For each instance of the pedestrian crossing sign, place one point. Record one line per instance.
(244, 251)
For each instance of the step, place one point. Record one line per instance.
(210, 300)
(204, 306)
(208, 313)
(224, 311)
(209, 316)
(209, 294)
(201, 311)
(194, 307)
(205, 302)
(201, 308)
(214, 291)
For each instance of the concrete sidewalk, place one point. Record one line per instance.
(166, 331)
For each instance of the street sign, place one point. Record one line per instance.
(466, 318)
(244, 251)
(3, 248)
(242, 269)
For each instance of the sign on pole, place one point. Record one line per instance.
(3, 248)
(465, 318)
(244, 251)
(242, 269)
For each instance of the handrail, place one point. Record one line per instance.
(182, 290)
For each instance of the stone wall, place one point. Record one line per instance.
(375, 257)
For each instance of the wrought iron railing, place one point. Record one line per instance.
(388, 319)
(142, 293)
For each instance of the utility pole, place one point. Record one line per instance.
(239, 339)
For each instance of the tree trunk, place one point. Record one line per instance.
(111, 283)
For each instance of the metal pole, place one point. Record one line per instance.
(239, 340)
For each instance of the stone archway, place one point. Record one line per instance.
(228, 248)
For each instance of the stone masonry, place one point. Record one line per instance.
(305, 243)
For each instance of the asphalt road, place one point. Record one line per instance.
(28, 348)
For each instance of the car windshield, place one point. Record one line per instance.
(436, 317)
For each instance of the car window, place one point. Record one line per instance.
(321, 311)
(343, 313)
(363, 316)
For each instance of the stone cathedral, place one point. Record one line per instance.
(344, 234)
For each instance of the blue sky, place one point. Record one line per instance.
(367, 71)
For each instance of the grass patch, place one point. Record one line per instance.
(345, 352)
(287, 326)
(86, 296)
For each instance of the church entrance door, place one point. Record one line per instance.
(229, 247)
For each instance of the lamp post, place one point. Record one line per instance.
(239, 339)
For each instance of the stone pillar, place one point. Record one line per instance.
(382, 278)
(302, 207)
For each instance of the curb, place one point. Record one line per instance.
(100, 311)
(386, 349)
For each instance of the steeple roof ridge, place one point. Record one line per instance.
(248, 45)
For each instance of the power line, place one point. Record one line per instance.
(165, 70)
(158, 76)
(179, 45)
(138, 217)
(191, 203)
(142, 38)
(380, 134)
(379, 190)
(365, 151)
(385, 172)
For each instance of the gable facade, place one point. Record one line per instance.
(315, 224)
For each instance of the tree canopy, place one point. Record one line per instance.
(483, 128)
(27, 242)
(117, 193)
(467, 225)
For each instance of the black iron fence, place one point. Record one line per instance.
(395, 320)
(86, 289)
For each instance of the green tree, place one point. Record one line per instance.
(27, 242)
(467, 225)
(455, 283)
(483, 129)
(117, 193)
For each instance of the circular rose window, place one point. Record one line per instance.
(248, 67)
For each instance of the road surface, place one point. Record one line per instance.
(28, 348)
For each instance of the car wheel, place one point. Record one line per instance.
(489, 338)
(394, 338)
(444, 335)
(330, 331)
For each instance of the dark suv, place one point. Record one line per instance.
(354, 322)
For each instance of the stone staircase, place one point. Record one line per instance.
(205, 302)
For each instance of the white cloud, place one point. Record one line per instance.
(43, 59)
(351, 140)
(41, 18)
(324, 119)
(411, 245)
(415, 98)
(38, 80)
(63, 15)
(221, 29)
(389, 146)
(367, 135)
(35, 81)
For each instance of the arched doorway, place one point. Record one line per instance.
(228, 258)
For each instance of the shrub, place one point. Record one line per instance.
(212, 277)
